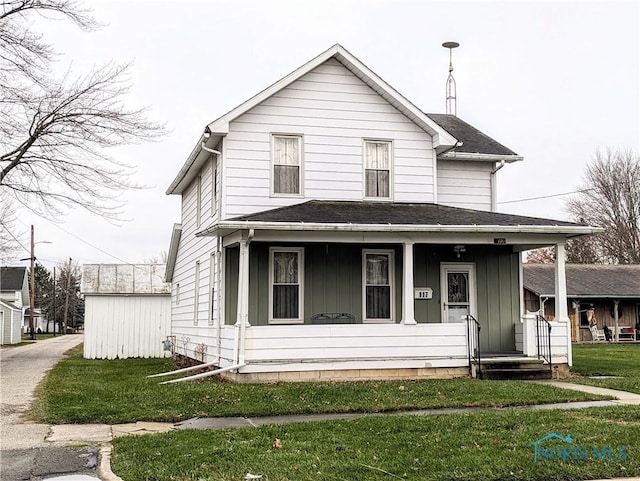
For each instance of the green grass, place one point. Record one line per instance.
(479, 446)
(605, 359)
(98, 391)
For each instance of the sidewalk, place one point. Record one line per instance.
(102, 434)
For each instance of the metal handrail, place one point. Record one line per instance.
(473, 343)
(543, 340)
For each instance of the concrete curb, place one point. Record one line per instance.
(104, 464)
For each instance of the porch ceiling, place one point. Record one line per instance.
(360, 216)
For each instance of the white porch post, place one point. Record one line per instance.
(408, 314)
(242, 315)
(562, 311)
(616, 335)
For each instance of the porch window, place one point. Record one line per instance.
(287, 160)
(286, 268)
(377, 173)
(378, 287)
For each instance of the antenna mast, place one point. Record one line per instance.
(451, 103)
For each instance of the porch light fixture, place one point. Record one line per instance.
(459, 249)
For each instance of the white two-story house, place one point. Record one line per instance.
(332, 230)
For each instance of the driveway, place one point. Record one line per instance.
(25, 453)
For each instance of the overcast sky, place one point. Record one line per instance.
(553, 81)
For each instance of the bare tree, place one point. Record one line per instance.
(54, 132)
(543, 255)
(610, 198)
(10, 234)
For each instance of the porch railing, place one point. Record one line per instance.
(473, 344)
(543, 340)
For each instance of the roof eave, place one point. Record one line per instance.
(172, 255)
(229, 226)
(451, 155)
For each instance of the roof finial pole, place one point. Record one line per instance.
(451, 103)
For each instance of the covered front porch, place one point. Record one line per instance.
(341, 301)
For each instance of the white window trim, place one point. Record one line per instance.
(214, 185)
(300, 138)
(196, 294)
(177, 300)
(198, 200)
(445, 267)
(300, 251)
(364, 170)
(212, 288)
(392, 282)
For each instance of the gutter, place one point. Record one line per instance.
(341, 227)
(483, 157)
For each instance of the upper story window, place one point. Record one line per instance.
(198, 200)
(287, 163)
(214, 188)
(377, 169)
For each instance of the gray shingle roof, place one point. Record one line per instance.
(360, 212)
(585, 280)
(11, 278)
(473, 141)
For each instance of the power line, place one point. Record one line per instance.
(545, 196)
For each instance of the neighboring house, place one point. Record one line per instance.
(594, 293)
(331, 229)
(127, 310)
(14, 299)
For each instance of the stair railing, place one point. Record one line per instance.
(473, 344)
(543, 340)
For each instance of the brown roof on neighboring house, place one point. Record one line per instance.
(12, 278)
(362, 212)
(585, 280)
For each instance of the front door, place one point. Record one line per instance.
(458, 283)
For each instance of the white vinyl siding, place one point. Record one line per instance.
(378, 161)
(333, 111)
(287, 169)
(198, 200)
(286, 291)
(465, 184)
(214, 187)
(377, 285)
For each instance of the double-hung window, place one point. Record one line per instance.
(287, 163)
(286, 267)
(378, 285)
(377, 169)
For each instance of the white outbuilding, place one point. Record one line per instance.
(127, 310)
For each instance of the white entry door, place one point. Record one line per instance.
(458, 294)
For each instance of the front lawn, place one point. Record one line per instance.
(78, 390)
(478, 446)
(605, 359)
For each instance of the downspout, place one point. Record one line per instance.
(494, 194)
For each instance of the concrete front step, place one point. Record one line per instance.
(514, 368)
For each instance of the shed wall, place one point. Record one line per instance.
(126, 326)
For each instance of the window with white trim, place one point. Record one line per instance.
(287, 165)
(214, 188)
(196, 294)
(377, 282)
(377, 169)
(286, 274)
(212, 288)
(198, 200)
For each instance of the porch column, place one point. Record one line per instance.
(408, 315)
(242, 319)
(562, 310)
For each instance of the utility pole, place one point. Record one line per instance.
(32, 297)
(66, 301)
(54, 301)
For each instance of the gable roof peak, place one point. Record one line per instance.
(442, 139)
